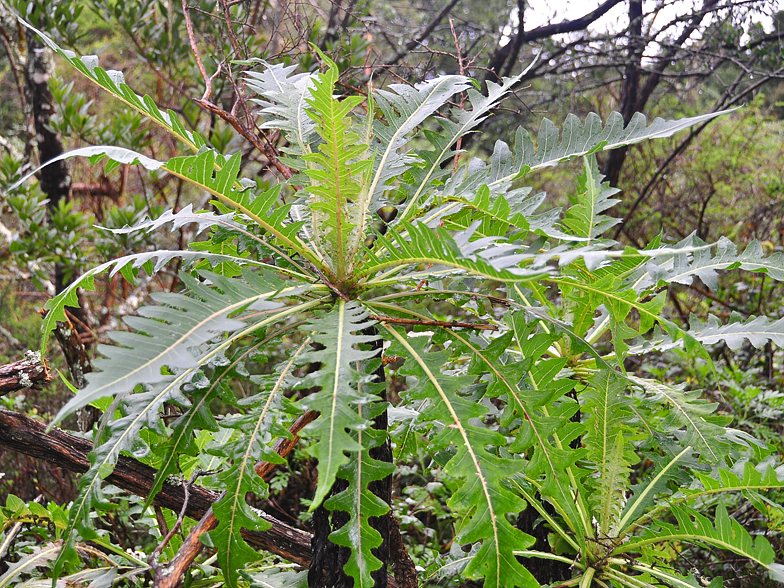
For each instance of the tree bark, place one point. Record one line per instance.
(23, 374)
(55, 180)
(328, 558)
(630, 89)
(639, 99)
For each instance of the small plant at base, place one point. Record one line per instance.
(513, 400)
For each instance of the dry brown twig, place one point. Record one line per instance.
(171, 576)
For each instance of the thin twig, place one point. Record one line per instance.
(189, 26)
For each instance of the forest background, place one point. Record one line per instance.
(669, 59)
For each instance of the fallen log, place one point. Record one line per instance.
(25, 435)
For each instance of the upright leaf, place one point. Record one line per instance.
(585, 217)
(339, 199)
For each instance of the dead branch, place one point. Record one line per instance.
(23, 374)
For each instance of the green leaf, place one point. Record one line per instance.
(483, 499)
(114, 82)
(254, 426)
(155, 369)
(688, 411)
(752, 480)
(724, 533)
(607, 447)
(534, 396)
(487, 257)
(361, 503)
(338, 200)
(156, 259)
(341, 388)
(200, 170)
(580, 139)
(166, 335)
(584, 217)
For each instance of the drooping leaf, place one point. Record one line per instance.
(756, 330)
(254, 426)
(186, 216)
(337, 333)
(483, 499)
(154, 261)
(169, 336)
(580, 139)
(96, 153)
(361, 504)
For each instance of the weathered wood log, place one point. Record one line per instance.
(23, 374)
(25, 435)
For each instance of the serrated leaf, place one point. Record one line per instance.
(696, 261)
(489, 256)
(338, 200)
(405, 107)
(166, 335)
(607, 448)
(483, 499)
(158, 259)
(584, 217)
(581, 139)
(688, 411)
(286, 95)
(113, 82)
(534, 396)
(186, 216)
(155, 370)
(724, 532)
(254, 427)
(756, 330)
(361, 504)
(340, 388)
(96, 153)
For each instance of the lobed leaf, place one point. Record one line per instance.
(336, 333)
(114, 82)
(483, 499)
